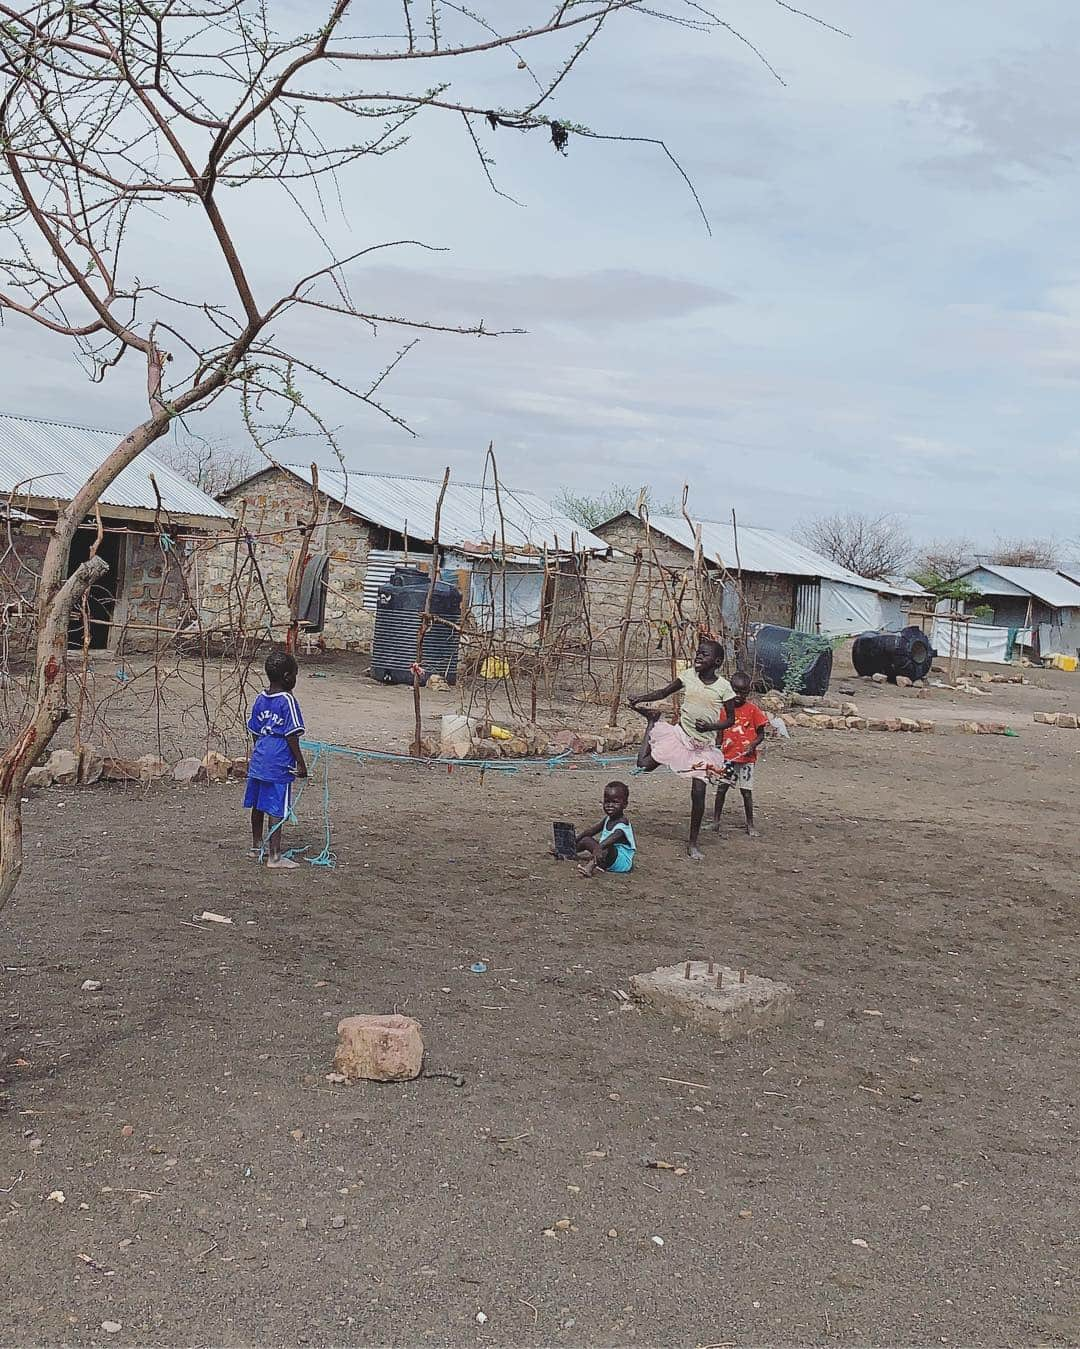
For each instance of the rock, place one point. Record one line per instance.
(436, 684)
(903, 681)
(908, 724)
(151, 768)
(585, 744)
(1046, 718)
(486, 749)
(90, 986)
(91, 766)
(991, 728)
(112, 1327)
(63, 766)
(1066, 720)
(216, 766)
(857, 723)
(928, 727)
(120, 770)
(879, 678)
(849, 710)
(239, 767)
(38, 777)
(379, 1048)
(517, 747)
(189, 770)
(337, 1222)
(893, 724)
(846, 691)
(877, 724)
(970, 727)
(773, 702)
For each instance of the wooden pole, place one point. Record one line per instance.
(426, 618)
(624, 628)
(301, 564)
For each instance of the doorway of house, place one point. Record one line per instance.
(101, 601)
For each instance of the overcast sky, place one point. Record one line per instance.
(886, 317)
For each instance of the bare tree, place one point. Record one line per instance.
(1033, 552)
(128, 129)
(211, 465)
(944, 558)
(870, 545)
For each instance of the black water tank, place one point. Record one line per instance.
(402, 600)
(771, 650)
(907, 652)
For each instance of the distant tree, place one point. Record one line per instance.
(211, 466)
(1033, 552)
(869, 545)
(590, 511)
(944, 558)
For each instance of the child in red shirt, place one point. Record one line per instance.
(740, 745)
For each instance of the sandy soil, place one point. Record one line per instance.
(897, 1166)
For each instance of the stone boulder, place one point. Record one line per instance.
(121, 770)
(38, 777)
(151, 768)
(189, 770)
(216, 766)
(379, 1048)
(91, 766)
(63, 767)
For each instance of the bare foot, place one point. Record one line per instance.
(588, 869)
(751, 833)
(255, 852)
(694, 853)
(716, 826)
(283, 863)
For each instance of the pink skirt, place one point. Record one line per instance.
(672, 747)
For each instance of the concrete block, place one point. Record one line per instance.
(729, 1011)
(379, 1048)
(1046, 718)
(1066, 720)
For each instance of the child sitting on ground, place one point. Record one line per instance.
(690, 748)
(741, 744)
(610, 846)
(276, 759)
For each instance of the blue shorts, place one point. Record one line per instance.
(272, 798)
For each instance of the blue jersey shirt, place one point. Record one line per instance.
(273, 717)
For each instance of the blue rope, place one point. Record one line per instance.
(564, 760)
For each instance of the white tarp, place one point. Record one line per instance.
(506, 598)
(848, 610)
(976, 641)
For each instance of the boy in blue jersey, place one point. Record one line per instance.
(276, 726)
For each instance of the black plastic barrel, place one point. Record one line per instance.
(778, 658)
(907, 652)
(402, 601)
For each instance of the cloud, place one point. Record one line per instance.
(1019, 120)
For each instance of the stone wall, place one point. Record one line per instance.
(274, 505)
(149, 592)
(667, 565)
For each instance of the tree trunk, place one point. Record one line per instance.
(50, 711)
(56, 599)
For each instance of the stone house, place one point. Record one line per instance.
(516, 559)
(148, 539)
(756, 576)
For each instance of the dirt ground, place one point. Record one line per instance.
(897, 1166)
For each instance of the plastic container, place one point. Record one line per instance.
(402, 601)
(770, 650)
(907, 652)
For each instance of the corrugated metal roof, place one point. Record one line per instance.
(1056, 589)
(761, 550)
(470, 512)
(49, 460)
